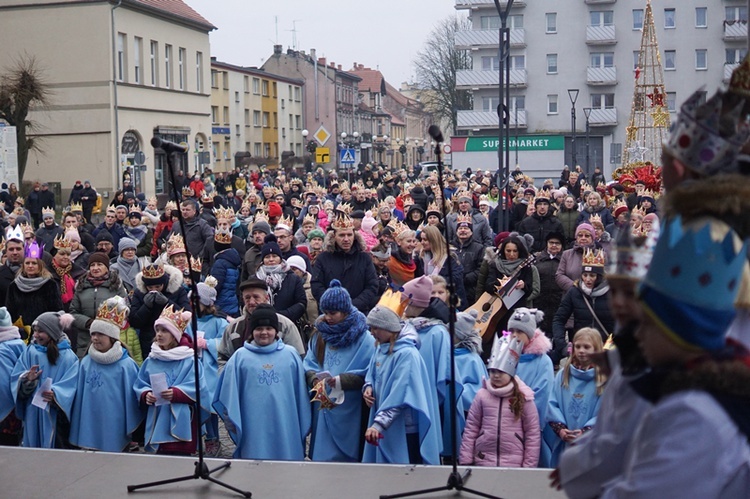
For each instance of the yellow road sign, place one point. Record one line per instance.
(322, 155)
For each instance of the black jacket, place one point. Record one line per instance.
(539, 227)
(290, 300)
(470, 255)
(550, 294)
(32, 305)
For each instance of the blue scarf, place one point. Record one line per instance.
(344, 333)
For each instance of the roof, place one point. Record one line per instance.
(176, 8)
(372, 79)
(256, 71)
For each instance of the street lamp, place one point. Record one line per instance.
(310, 146)
(587, 112)
(420, 147)
(402, 150)
(573, 94)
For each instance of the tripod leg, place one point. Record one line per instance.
(227, 486)
(132, 488)
(478, 493)
(227, 464)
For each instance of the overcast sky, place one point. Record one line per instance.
(384, 34)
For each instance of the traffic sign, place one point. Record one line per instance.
(322, 155)
(348, 157)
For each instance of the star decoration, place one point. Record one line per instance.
(660, 117)
(631, 131)
(637, 152)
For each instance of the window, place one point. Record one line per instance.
(237, 130)
(518, 62)
(246, 84)
(601, 17)
(236, 97)
(669, 18)
(637, 19)
(256, 118)
(515, 21)
(267, 149)
(615, 153)
(168, 65)
(297, 94)
(226, 115)
(225, 79)
(181, 56)
(154, 63)
(274, 89)
(291, 121)
(121, 57)
(256, 149)
(735, 56)
(551, 63)
(298, 121)
(247, 117)
(602, 101)
(490, 63)
(137, 55)
(701, 59)
(672, 101)
(214, 79)
(551, 18)
(199, 71)
(276, 120)
(247, 146)
(602, 59)
(670, 57)
(298, 150)
(738, 13)
(489, 22)
(701, 17)
(265, 88)
(518, 102)
(552, 104)
(215, 115)
(489, 104)
(256, 86)
(291, 94)
(266, 119)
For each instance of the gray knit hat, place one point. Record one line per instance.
(53, 323)
(384, 318)
(525, 320)
(126, 243)
(207, 291)
(261, 226)
(466, 336)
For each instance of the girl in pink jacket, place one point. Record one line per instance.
(502, 428)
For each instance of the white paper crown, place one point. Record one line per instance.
(505, 355)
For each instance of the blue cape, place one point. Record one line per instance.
(213, 327)
(400, 380)
(106, 410)
(537, 372)
(10, 351)
(171, 422)
(336, 432)
(39, 426)
(262, 398)
(470, 371)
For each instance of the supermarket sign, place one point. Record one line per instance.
(523, 143)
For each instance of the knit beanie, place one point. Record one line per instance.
(500, 238)
(368, 223)
(261, 226)
(264, 315)
(525, 320)
(315, 233)
(271, 247)
(5, 317)
(53, 323)
(126, 243)
(274, 209)
(336, 298)
(72, 235)
(166, 322)
(384, 318)
(466, 335)
(103, 235)
(419, 290)
(588, 227)
(297, 262)
(620, 210)
(98, 256)
(207, 291)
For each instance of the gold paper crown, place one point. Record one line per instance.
(542, 194)
(135, 209)
(152, 200)
(154, 271)
(261, 206)
(619, 203)
(434, 206)
(223, 237)
(344, 208)
(175, 244)
(223, 213)
(19, 200)
(117, 315)
(187, 192)
(595, 219)
(2, 245)
(593, 258)
(287, 220)
(171, 206)
(62, 243)
(320, 395)
(395, 301)
(651, 194)
(246, 203)
(358, 186)
(637, 210)
(196, 264)
(343, 185)
(407, 199)
(464, 219)
(342, 222)
(397, 227)
(74, 207)
(278, 192)
(175, 317)
(309, 219)
(297, 181)
(260, 216)
(48, 211)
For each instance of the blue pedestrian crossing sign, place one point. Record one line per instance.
(348, 157)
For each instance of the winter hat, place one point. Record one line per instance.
(623, 208)
(360, 214)
(98, 256)
(207, 291)
(271, 247)
(368, 223)
(274, 209)
(126, 243)
(466, 335)
(527, 240)
(555, 235)
(154, 274)
(255, 283)
(336, 298)
(587, 227)
(419, 290)
(297, 262)
(53, 323)
(315, 233)
(264, 315)
(174, 321)
(384, 318)
(5, 318)
(72, 235)
(500, 238)
(651, 217)
(525, 320)
(261, 226)
(111, 318)
(104, 235)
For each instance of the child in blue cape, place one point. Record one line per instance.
(470, 368)
(211, 325)
(575, 397)
(11, 348)
(172, 428)
(262, 395)
(404, 424)
(342, 348)
(105, 385)
(48, 356)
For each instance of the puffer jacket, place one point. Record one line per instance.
(495, 437)
(569, 221)
(87, 299)
(226, 270)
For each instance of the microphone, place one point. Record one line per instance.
(435, 133)
(167, 146)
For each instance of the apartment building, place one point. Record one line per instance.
(560, 48)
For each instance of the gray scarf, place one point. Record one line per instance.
(273, 275)
(507, 267)
(128, 268)
(30, 284)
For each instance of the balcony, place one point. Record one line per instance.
(603, 117)
(469, 120)
(735, 31)
(488, 38)
(600, 35)
(476, 4)
(599, 2)
(601, 76)
(729, 68)
(470, 79)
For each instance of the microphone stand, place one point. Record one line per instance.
(201, 470)
(456, 480)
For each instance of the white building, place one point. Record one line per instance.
(120, 73)
(592, 46)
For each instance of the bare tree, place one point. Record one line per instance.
(22, 90)
(436, 67)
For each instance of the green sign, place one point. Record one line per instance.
(525, 143)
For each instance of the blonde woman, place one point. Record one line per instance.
(434, 256)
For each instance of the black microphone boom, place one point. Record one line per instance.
(435, 133)
(167, 146)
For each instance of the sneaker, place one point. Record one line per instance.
(133, 447)
(213, 447)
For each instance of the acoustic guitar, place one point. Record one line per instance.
(492, 307)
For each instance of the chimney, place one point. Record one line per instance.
(277, 50)
(339, 66)
(312, 54)
(322, 61)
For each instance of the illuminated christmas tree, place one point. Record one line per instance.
(649, 115)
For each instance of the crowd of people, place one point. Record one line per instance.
(322, 311)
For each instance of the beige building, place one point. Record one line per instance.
(121, 73)
(256, 117)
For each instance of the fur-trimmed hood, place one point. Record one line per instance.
(539, 344)
(174, 283)
(329, 243)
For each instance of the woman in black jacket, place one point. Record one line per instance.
(32, 292)
(286, 291)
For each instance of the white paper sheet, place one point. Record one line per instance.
(38, 401)
(158, 385)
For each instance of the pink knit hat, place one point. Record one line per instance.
(368, 223)
(587, 227)
(419, 290)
